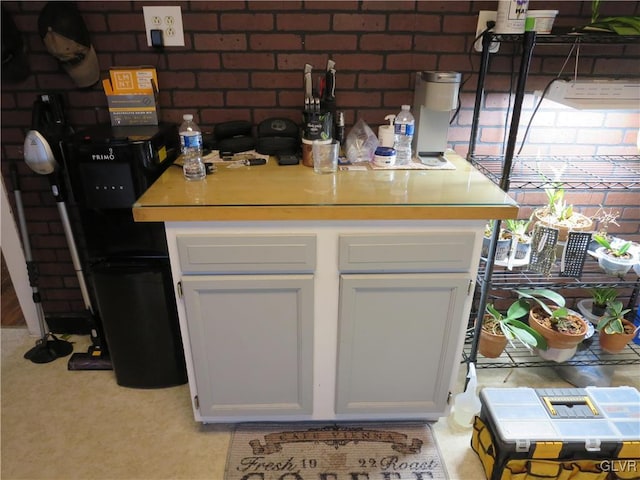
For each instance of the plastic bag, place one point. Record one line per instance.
(361, 143)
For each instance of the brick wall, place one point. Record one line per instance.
(244, 60)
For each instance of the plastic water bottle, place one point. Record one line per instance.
(191, 148)
(403, 128)
(193, 167)
(190, 136)
(467, 405)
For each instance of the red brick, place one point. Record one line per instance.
(195, 98)
(383, 42)
(223, 5)
(622, 198)
(212, 116)
(388, 5)
(440, 43)
(251, 98)
(283, 5)
(303, 22)
(200, 21)
(389, 81)
(218, 80)
(330, 42)
(275, 42)
(248, 61)
(394, 100)
(411, 61)
(177, 79)
(358, 99)
(246, 21)
(277, 80)
(431, 6)
(359, 22)
(291, 98)
(221, 42)
(403, 22)
(194, 61)
(631, 213)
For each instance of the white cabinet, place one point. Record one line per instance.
(397, 341)
(252, 343)
(398, 329)
(323, 320)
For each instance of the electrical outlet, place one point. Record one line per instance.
(485, 16)
(167, 19)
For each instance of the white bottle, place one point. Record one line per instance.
(190, 136)
(404, 124)
(467, 405)
(511, 16)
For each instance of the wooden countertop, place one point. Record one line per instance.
(295, 192)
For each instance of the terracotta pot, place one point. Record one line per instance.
(615, 342)
(579, 223)
(491, 345)
(554, 338)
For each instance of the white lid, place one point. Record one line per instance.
(542, 13)
(406, 107)
(187, 116)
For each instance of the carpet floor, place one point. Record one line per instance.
(64, 425)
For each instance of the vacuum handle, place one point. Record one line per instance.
(13, 172)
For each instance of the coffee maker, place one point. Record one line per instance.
(436, 94)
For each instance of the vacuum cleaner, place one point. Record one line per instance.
(48, 125)
(48, 347)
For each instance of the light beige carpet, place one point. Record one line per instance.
(308, 451)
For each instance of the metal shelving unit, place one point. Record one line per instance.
(610, 172)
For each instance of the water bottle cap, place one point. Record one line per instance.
(406, 107)
(187, 116)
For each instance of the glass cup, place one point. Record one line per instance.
(325, 156)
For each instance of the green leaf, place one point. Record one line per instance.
(623, 249)
(517, 310)
(527, 335)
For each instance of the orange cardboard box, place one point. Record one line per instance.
(132, 94)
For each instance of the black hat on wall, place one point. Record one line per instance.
(15, 66)
(66, 37)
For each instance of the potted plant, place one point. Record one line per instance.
(504, 242)
(498, 329)
(614, 258)
(615, 330)
(601, 296)
(557, 214)
(603, 218)
(518, 229)
(563, 329)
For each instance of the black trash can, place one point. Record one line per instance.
(138, 312)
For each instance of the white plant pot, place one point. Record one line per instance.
(615, 266)
(557, 355)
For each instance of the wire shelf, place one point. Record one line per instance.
(611, 172)
(589, 353)
(589, 38)
(592, 277)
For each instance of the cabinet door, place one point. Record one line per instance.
(397, 341)
(252, 343)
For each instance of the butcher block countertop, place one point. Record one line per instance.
(294, 192)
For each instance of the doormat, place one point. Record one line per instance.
(315, 451)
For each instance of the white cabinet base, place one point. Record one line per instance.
(335, 334)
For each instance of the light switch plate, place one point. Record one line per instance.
(167, 19)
